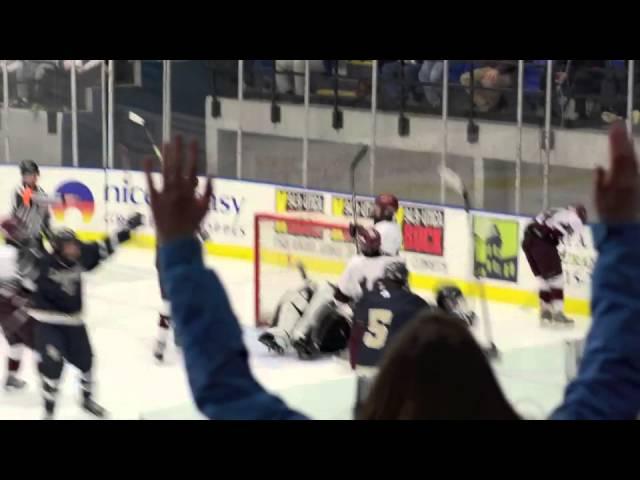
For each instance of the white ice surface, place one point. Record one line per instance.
(122, 299)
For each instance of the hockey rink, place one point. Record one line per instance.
(122, 300)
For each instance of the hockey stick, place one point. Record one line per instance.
(138, 120)
(352, 172)
(125, 162)
(454, 182)
(303, 271)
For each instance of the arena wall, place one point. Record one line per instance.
(437, 239)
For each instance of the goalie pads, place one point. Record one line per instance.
(288, 313)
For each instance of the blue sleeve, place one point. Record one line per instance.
(214, 352)
(607, 386)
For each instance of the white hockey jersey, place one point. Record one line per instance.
(561, 222)
(390, 236)
(8, 263)
(365, 271)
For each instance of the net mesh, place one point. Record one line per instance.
(287, 247)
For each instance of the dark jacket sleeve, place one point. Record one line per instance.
(607, 386)
(216, 358)
(95, 252)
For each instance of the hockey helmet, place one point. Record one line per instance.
(369, 240)
(450, 299)
(62, 236)
(29, 167)
(397, 272)
(581, 211)
(385, 207)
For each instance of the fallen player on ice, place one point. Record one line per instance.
(317, 317)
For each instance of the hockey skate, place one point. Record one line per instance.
(561, 320)
(89, 405)
(546, 316)
(158, 351)
(270, 341)
(305, 348)
(14, 383)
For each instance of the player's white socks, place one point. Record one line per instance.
(557, 305)
(86, 384)
(15, 356)
(163, 333)
(281, 337)
(49, 394)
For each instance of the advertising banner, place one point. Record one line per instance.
(497, 245)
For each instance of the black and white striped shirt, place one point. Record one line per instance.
(32, 207)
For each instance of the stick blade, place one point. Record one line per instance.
(135, 118)
(359, 156)
(451, 179)
(302, 270)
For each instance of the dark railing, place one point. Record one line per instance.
(590, 96)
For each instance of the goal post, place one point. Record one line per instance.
(283, 242)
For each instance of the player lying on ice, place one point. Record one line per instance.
(607, 385)
(317, 317)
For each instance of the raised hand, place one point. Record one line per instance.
(617, 188)
(177, 209)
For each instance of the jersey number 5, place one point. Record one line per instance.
(377, 328)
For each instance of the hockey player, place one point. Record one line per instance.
(301, 311)
(450, 299)
(381, 313)
(384, 213)
(164, 315)
(384, 218)
(540, 245)
(30, 205)
(57, 306)
(15, 323)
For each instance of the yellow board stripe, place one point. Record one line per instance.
(419, 281)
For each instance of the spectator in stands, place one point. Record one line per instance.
(391, 73)
(607, 385)
(614, 91)
(224, 77)
(431, 73)
(576, 81)
(29, 76)
(490, 74)
(285, 69)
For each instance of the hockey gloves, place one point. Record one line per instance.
(134, 221)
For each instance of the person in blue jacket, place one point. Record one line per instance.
(607, 385)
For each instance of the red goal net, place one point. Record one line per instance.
(283, 244)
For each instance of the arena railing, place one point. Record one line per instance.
(83, 120)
